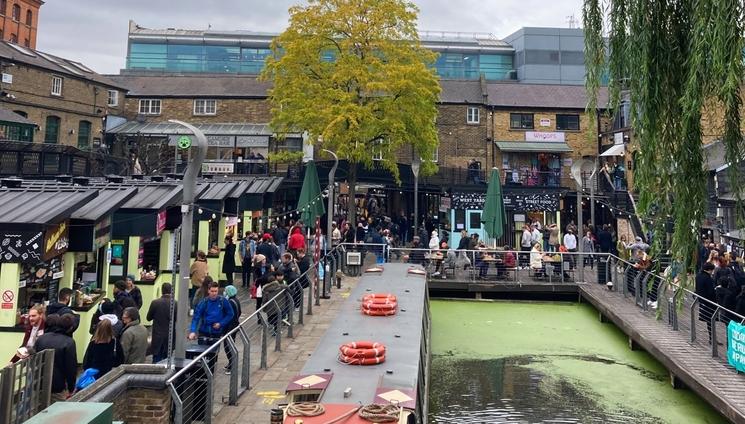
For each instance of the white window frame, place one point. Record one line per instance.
(149, 107)
(57, 83)
(113, 98)
(472, 115)
(377, 150)
(202, 107)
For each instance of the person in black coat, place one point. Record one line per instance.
(122, 299)
(605, 239)
(705, 290)
(134, 291)
(740, 302)
(725, 297)
(104, 351)
(160, 314)
(65, 367)
(228, 261)
(61, 307)
(303, 265)
(106, 310)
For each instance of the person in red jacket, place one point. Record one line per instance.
(297, 240)
(35, 324)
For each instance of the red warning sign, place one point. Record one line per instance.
(6, 306)
(8, 296)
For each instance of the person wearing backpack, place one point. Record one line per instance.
(211, 316)
(232, 294)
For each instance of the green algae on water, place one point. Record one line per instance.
(541, 362)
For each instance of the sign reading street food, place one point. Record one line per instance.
(736, 345)
(513, 201)
(56, 241)
(21, 246)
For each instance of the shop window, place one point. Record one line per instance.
(51, 129)
(149, 258)
(521, 121)
(460, 219)
(29, 18)
(472, 115)
(16, 12)
(567, 122)
(149, 107)
(84, 135)
(205, 107)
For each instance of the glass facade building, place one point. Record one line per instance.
(461, 56)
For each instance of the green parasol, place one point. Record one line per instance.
(310, 203)
(493, 216)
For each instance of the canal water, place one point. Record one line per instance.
(529, 362)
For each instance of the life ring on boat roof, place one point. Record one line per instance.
(379, 304)
(362, 353)
(378, 313)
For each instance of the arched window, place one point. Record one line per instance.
(13, 38)
(29, 18)
(3, 7)
(16, 12)
(51, 129)
(84, 135)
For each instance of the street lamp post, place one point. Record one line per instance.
(189, 184)
(415, 164)
(330, 217)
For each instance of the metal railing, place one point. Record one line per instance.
(43, 159)
(484, 265)
(700, 322)
(25, 387)
(201, 386)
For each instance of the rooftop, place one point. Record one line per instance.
(41, 206)
(542, 96)
(19, 54)
(193, 85)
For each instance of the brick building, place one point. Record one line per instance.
(19, 21)
(66, 100)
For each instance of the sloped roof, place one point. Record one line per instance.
(461, 91)
(197, 85)
(542, 96)
(29, 206)
(19, 54)
(10, 116)
(108, 201)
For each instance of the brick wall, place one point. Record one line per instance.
(461, 141)
(143, 406)
(23, 29)
(254, 111)
(81, 100)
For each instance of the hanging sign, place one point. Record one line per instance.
(102, 233)
(516, 201)
(218, 168)
(736, 345)
(545, 122)
(160, 224)
(56, 241)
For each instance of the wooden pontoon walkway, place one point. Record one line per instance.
(690, 363)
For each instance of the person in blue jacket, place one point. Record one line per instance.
(212, 315)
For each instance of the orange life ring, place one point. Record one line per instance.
(362, 361)
(378, 313)
(379, 297)
(362, 349)
(380, 306)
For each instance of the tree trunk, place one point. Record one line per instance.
(352, 204)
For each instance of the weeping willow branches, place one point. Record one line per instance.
(675, 58)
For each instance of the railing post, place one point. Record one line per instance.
(278, 328)
(300, 318)
(178, 409)
(210, 390)
(714, 343)
(693, 319)
(290, 318)
(264, 338)
(233, 387)
(310, 294)
(246, 368)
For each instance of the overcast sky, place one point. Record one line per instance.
(94, 32)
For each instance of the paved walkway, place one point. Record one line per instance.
(268, 386)
(692, 363)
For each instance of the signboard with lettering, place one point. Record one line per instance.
(549, 137)
(545, 122)
(252, 141)
(512, 201)
(55, 241)
(212, 140)
(160, 225)
(21, 246)
(736, 345)
(218, 168)
(102, 233)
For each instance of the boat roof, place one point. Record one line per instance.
(396, 378)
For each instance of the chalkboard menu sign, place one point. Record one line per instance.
(21, 246)
(42, 278)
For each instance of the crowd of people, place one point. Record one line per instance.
(721, 281)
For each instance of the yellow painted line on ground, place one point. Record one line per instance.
(270, 397)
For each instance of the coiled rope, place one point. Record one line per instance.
(380, 413)
(305, 409)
